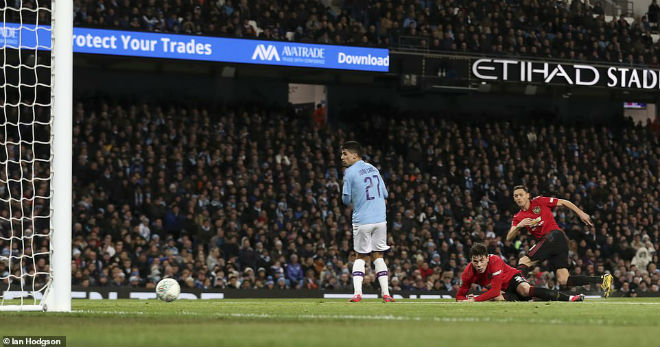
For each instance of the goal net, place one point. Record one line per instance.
(35, 137)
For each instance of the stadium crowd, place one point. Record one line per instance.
(532, 28)
(247, 197)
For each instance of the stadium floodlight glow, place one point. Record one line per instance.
(35, 171)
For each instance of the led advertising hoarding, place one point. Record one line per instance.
(204, 48)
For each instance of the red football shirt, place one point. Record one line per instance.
(540, 209)
(497, 274)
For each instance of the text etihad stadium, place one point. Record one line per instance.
(565, 74)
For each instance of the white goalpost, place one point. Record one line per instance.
(35, 155)
(59, 294)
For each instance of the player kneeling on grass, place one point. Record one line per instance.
(489, 269)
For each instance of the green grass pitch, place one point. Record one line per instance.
(325, 322)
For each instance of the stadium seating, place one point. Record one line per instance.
(540, 29)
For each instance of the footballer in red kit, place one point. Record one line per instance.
(540, 211)
(536, 217)
(490, 270)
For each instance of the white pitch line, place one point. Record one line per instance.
(108, 312)
(340, 302)
(422, 302)
(620, 303)
(416, 302)
(363, 317)
(466, 319)
(534, 302)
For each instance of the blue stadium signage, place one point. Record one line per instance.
(155, 45)
(520, 71)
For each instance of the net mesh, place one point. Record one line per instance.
(25, 153)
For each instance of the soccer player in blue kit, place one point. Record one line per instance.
(365, 189)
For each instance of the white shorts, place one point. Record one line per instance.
(369, 238)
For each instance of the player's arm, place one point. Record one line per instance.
(462, 291)
(466, 283)
(515, 228)
(494, 291)
(571, 206)
(346, 191)
(513, 232)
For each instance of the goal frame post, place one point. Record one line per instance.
(58, 295)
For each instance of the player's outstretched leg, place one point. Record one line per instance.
(358, 277)
(553, 295)
(382, 275)
(605, 282)
(579, 280)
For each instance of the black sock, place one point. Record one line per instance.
(574, 280)
(547, 294)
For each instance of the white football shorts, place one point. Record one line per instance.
(369, 238)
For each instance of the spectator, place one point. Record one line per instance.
(294, 271)
(643, 257)
(653, 12)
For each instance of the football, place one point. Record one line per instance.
(168, 290)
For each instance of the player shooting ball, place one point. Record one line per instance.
(535, 215)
